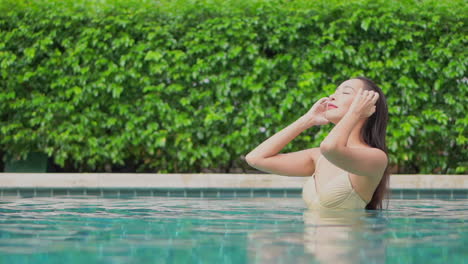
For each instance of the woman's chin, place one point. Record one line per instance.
(333, 118)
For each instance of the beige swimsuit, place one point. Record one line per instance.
(335, 194)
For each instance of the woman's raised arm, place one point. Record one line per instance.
(265, 157)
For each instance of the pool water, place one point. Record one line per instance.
(87, 229)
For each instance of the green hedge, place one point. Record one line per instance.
(178, 86)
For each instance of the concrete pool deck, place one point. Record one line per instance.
(207, 180)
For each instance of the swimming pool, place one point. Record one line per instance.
(96, 229)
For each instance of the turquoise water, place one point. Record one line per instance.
(87, 229)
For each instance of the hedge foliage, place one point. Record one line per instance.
(178, 86)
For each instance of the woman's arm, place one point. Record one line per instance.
(271, 146)
(370, 162)
(338, 136)
(275, 143)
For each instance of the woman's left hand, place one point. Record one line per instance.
(364, 103)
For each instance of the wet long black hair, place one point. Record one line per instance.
(374, 132)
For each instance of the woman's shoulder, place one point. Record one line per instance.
(377, 151)
(368, 147)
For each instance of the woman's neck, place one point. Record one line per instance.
(355, 139)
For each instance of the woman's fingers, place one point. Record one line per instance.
(323, 100)
(371, 95)
(375, 97)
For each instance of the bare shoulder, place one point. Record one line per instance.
(378, 157)
(360, 160)
(376, 154)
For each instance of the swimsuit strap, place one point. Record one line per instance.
(316, 165)
(318, 160)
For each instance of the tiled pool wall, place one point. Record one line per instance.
(213, 193)
(402, 186)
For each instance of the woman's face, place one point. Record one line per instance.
(342, 99)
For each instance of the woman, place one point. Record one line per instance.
(350, 168)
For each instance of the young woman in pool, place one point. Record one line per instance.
(350, 168)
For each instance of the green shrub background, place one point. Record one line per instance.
(181, 86)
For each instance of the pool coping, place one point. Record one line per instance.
(207, 181)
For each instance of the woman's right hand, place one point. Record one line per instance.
(316, 114)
